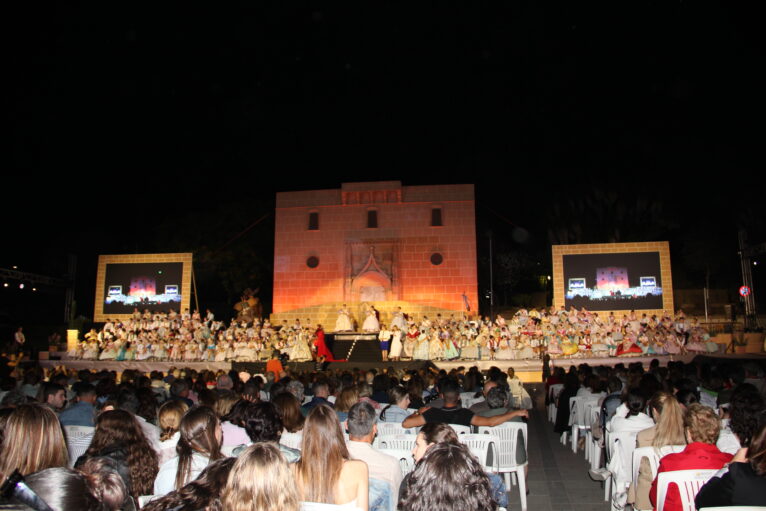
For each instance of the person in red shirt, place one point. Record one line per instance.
(702, 426)
(275, 365)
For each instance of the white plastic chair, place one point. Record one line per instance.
(77, 441)
(577, 420)
(507, 435)
(653, 455)
(293, 440)
(689, 483)
(593, 446)
(620, 447)
(391, 428)
(406, 461)
(460, 429)
(467, 399)
(403, 442)
(484, 447)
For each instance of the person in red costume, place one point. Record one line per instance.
(323, 353)
(702, 427)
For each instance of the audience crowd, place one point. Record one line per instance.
(223, 440)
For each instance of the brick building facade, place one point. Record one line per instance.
(376, 242)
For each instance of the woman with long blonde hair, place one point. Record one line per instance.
(33, 441)
(668, 430)
(325, 472)
(261, 480)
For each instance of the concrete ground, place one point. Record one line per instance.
(558, 479)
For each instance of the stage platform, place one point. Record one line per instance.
(529, 371)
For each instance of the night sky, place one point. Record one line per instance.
(140, 127)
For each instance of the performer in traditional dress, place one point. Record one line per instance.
(300, 351)
(343, 323)
(410, 341)
(420, 351)
(396, 343)
(398, 320)
(371, 323)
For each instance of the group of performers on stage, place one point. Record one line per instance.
(188, 337)
(532, 333)
(529, 334)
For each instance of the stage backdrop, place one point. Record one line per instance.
(158, 282)
(613, 277)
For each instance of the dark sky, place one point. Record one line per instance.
(126, 116)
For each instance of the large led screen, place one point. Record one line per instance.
(153, 286)
(613, 282)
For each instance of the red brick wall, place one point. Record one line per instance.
(403, 221)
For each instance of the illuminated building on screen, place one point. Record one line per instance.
(377, 243)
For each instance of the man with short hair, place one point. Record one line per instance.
(482, 406)
(83, 412)
(451, 413)
(362, 430)
(321, 392)
(52, 395)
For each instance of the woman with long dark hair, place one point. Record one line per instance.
(198, 445)
(325, 472)
(447, 478)
(118, 436)
(201, 494)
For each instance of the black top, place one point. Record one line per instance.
(737, 485)
(458, 415)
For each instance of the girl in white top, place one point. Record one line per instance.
(198, 444)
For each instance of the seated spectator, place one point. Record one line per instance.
(325, 473)
(198, 445)
(362, 430)
(498, 400)
(33, 441)
(233, 427)
(702, 428)
(668, 431)
(630, 415)
(743, 481)
(482, 406)
(169, 419)
(261, 480)
(289, 409)
(321, 392)
(83, 412)
(365, 394)
(119, 437)
(348, 398)
(52, 395)
(200, 494)
(128, 401)
(107, 484)
(397, 410)
(447, 477)
(64, 489)
(438, 433)
(452, 413)
(263, 424)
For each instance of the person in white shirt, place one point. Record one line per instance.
(629, 416)
(362, 430)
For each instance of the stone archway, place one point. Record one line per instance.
(371, 286)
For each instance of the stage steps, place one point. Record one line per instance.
(356, 347)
